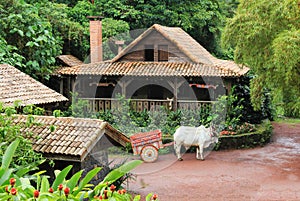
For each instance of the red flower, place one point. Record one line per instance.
(13, 191)
(36, 194)
(50, 190)
(67, 191)
(60, 187)
(6, 189)
(100, 197)
(12, 181)
(123, 191)
(113, 188)
(154, 197)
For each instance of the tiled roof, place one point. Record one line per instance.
(69, 60)
(153, 69)
(189, 46)
(73, 138)
(16, 85)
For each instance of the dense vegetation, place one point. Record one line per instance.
(266, 37)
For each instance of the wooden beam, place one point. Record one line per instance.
(61, 86)
(175, 86)
(124, 84)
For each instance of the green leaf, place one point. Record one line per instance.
(9, 153)
(137, 198)
(74, 180)
(148, 197)
(20, 32)
(61, 177)
(4, 175)
(121, 171)
(45, 185)
(88, 177)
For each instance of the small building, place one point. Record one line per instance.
(80, 142)
(163, 66)
(18, 86)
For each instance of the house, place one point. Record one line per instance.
(80, 142)
(18, 86)
(163, 66)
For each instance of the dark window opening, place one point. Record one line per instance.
(163, 54)
(149, 53)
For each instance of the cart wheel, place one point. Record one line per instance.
(149, 154)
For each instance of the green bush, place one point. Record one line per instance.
(260, 137)
(19, 185)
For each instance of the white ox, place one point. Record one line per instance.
(194, 136)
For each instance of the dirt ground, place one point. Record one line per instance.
(265, 173)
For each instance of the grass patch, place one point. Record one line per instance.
(287, 120)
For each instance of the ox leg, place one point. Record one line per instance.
(201, 153)
(197, 153)
(177, 151)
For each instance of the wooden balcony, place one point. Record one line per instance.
(104, 104)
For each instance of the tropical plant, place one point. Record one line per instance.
(19, 185)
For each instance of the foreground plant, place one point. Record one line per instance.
(21, 187)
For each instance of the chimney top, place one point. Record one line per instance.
(95, 18)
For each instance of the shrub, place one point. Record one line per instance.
(260, 137)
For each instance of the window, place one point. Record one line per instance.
(149, 53)
(163, 53)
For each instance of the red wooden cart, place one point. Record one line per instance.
(147, 145)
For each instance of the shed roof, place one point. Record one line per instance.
(18, 86)
(72, 139)
(69, 60)
(153, 69)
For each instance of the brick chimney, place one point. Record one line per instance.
(95, 38)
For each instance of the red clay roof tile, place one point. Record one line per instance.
(75, 142)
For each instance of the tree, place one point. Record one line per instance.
(266, 37)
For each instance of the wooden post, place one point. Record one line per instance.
(61, 86)
(175, 86)
(124, 84)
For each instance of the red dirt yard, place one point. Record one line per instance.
(264, 173)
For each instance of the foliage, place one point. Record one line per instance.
(266, 37)
(232, 107)
(33, 33)
(9, 131)
(261, 136)
(18, 186)
(78, 108)
(30, 36)
(9, 54)
(242, 91)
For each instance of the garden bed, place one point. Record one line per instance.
(261, 136)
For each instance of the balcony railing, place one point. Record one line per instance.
(104, 104)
